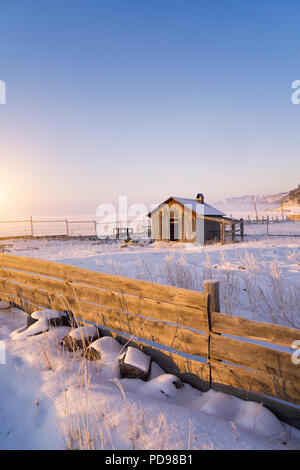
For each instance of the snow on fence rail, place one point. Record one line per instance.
(183, 330)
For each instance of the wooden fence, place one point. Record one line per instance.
(268, 219)
(189, 336)
(32, 228)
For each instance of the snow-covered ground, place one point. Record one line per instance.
(54, 399)
(273, 229)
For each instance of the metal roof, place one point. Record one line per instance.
(195, 206)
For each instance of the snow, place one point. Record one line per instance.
(291, 208)
(4, 305)
(136, 358)
(106, 346)
(194, 205)
(272, 229)
(49, 398)
(200, 209)
(246, 414)
(46, 314)
(163, 384)
(110, 351)
(45, 390)
(35, 329)
(84, 332)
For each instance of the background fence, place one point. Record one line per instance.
(73, 227)
(138, 228)
(272, 227)
(181, 329)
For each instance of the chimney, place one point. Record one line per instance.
(200, 198)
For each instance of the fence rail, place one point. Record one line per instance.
(66, 227)
(270, 220)
(181, 329)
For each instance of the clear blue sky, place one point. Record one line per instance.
(146, 98)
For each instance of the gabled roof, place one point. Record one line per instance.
(193, 205)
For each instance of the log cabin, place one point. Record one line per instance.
(187, 220)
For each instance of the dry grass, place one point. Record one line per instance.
(247, 285)
(179, 274)
(252, 285)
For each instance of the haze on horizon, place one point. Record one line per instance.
(146, 99)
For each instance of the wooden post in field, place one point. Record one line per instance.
(212, 288)
(253, 199)
(67, 227)
(222, 233)
(95, 223)
(233, 232)
(242, 229)
(31, 226)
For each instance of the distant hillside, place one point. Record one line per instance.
(291, 200)
(270, 199)
(270, 204)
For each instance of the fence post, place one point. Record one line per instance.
(67, 227)
(242, 229)
(212, 288)
(95, 224)
(222, 233)
(31, 226)
(233, 232)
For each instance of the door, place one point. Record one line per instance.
(173, 229)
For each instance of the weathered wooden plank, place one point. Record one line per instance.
(256, 381)
(173, 336)
(33, 295)
(159, 310)
(237, 326)
(212, 287)
(180, 339)
(254, 356)
(119, 284)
